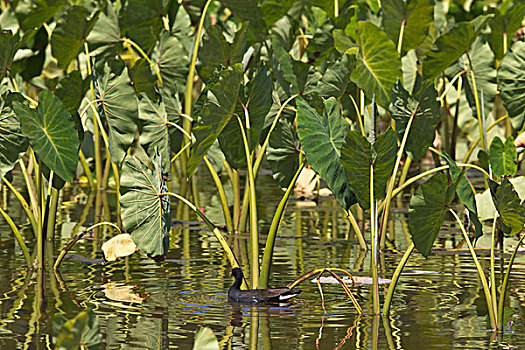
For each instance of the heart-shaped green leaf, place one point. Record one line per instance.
(427, 212)
(69, 35)
(219, 102)
(503, 157)
(503, 26)
(41, 12)
(104, 38)
(13, 144)
(52, 134)
(510, 84)
(448, 48)
(118, 108)
(378, 65)
(256, 99)
(144, 208)
(321, 140)
(217, 51)
(416, 16)
(508, 205)
(424, 108)
(358, 155)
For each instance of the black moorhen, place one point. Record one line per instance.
(272, 295)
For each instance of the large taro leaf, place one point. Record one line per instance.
(218, 107)
(157, 127)
(448, 48)
(104, 38)
(173, 110)
(465, 193)
(283, 152)
(182, 29)
(321, 140)
(142, 21)
(503, 157)
(378, 65)
(51, 133)
(172, 62)
(13, 144)
(69, 35)
(358, 155)
(118, 108)
(416, 16)
(41, 11)
(484, 73)
(144, 206)
(8, 46)
(251, 12)
(256, 99)
(274, 10)
(508, 205)
(217, 51)
(81, 332)
(424, 108)
(71, 90)
(511, 78)
(427, 211)
(505, 24)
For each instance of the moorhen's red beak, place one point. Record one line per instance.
(231, 273)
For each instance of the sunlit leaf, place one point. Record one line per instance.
(172, 61)
(144, 208)
(503, 157)
(205, 340)
(321, 140)
(51, 133)
(119, 246)
(118, 106)
(378, 65)
(104, 38)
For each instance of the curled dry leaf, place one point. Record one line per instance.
(119, 246)
(307, 181)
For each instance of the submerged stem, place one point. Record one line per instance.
(395, 279)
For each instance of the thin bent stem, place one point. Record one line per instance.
(23, 202)
(358, 232)
(18, 237)
(486, 289)
(395, 279)
(254, 233)
(222, 195)
(505, 283)
(75, 239)
(87, 171)
(272, 233)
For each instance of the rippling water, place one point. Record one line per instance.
(439, 303)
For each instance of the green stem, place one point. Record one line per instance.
(374, 243)
(96, 130)
(478, 107)
(189, 85)
(18, 237)
(400, 40)
(52, 215)
(258, 161)
(390, 188)
(30, 190)
(358, 232)
(395, 279)
(272, 233)
(143, 54)
(254, 233)
(404, 172)
(87, 171)
(492, 267)
(236, 199)
(41, 206)
(75, 239)
(222, 195)
(505, 283)
(486, 289)
(25, 205)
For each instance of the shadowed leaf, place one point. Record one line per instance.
(511, 76)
